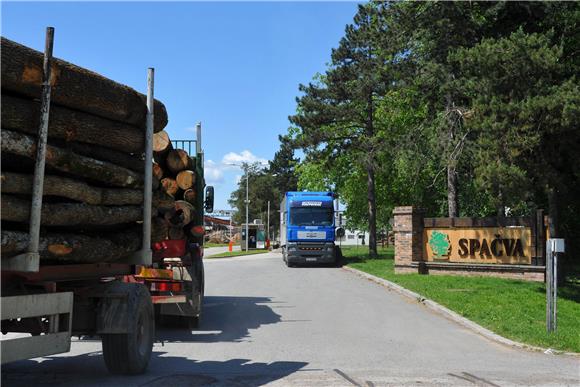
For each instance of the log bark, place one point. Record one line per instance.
(162, 202)
(69, 214)
(189, 196)
(70, 162)
(24, 115)
(74, 248)
(185, 180)
(170, 186)
(178, 160)
(134, 162)
(75, 87)
(18, 183)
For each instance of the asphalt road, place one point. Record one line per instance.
(264, 323)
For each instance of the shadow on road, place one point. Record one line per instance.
(89, 369)
(225, 318)
(234, 372)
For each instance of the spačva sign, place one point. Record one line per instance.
(479, 245)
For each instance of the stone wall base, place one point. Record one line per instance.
(531, 273)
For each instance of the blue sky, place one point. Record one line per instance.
(233, 66)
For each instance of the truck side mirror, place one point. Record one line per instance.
(208, 203)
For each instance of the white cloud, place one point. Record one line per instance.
(213, 172)
(244, 157)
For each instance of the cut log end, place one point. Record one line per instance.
(169, 186)
(190, 196)
(185, 179)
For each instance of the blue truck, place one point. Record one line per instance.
(307, 228)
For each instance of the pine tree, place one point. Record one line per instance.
(337, 112)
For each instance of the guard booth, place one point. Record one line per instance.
(257, 236)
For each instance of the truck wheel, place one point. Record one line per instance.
(129, 353)
(198, 293)
(338, 258)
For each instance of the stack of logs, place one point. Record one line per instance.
(93, 186)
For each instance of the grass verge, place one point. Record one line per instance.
(511, 308)
(237, 253)
(208, 244)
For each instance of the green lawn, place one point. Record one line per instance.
(513, 309)
(208, 244)
(237, 253)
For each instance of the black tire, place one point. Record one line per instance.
(129, 353)
(338, 258)
(198, 292)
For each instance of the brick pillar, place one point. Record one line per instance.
(408, 228)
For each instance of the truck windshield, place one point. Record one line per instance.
(311, 216)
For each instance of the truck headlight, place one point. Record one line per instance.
(292, 248)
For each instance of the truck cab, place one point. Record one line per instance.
(307, 228)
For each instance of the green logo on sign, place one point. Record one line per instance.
(440, 244)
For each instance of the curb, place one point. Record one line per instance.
(451, 315)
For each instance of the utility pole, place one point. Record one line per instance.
(268, 221)
(247, 202)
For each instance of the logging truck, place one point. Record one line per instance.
(102, 214)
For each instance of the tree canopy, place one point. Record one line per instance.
(462, 108)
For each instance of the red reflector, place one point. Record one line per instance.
(166, 286)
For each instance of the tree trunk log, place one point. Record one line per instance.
(161, 142)
(73, 248)
(69, 214)
(75, 87)
(66, 161)
(169, 186)
(161, 148)
(125, 160)
(187, 209)
(71, 125)
(189, 196)
(17, 183)
(157, 171)
(185, 179)
(178, 160)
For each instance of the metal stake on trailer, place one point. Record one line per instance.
(30, 261)
(145, 256)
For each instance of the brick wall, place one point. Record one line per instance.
(408, 228)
